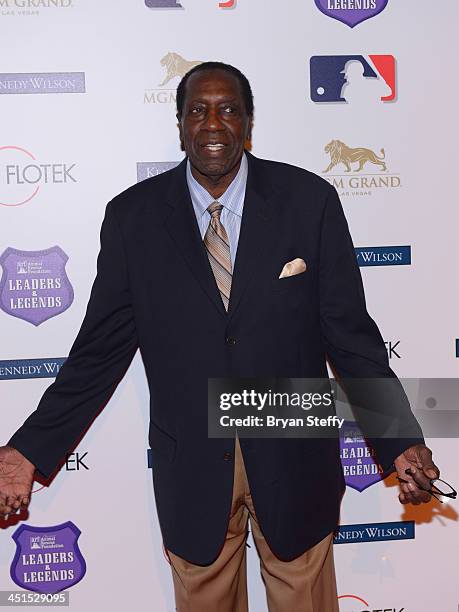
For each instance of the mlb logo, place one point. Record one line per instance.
(353, 78)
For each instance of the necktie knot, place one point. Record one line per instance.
(218, 250)
(215, 209)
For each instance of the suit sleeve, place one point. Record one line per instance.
(354, 345)
(98, 359)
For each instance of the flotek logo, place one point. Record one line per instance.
(22, 175)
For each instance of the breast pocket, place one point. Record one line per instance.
(296, 282)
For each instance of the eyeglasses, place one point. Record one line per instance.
(437, 487)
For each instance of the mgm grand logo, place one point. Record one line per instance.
(30, 7)
(358, 171)
(175, 67)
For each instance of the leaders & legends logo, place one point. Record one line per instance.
(47, 559)
(34, 285)
(351, 12)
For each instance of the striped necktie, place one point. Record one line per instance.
(218, 250)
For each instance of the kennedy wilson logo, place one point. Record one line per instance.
(174, 67)
(42, 82)
(358, 171)
(148, 169)
(353, 79)
(23, 175)
(374, 532)
(384, 256)
(30, 368)
(351, 12)
(31, 8)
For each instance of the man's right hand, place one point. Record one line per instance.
(16, 478)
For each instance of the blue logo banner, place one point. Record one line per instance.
(30, 368)
(384, 256)
(374, 532)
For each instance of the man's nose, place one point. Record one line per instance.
(213, 121)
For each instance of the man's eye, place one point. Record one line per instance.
(196, 110)
(229, 109)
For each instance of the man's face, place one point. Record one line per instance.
(214, 125)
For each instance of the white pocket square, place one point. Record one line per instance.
(296, 266)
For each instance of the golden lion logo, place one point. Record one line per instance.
(341, 153)
(175, 66)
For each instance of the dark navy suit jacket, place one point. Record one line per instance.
(155, 290)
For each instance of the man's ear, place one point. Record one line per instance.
(179, 125)
(248, 140)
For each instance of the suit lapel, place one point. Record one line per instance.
(256, 234)
(181, 223)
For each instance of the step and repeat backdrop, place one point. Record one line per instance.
(361, 92)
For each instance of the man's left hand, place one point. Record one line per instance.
(418, 460)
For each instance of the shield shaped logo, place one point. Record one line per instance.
(354, 12)
(34, 284)
(47, 559)
(359, 465)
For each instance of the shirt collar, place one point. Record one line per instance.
(233, 198)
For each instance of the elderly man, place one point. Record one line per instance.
(217, 232)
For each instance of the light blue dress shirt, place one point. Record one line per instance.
(232, 201)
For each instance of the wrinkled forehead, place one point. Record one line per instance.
(213, 84)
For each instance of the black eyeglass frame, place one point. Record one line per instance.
(452, 495)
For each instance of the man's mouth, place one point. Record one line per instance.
(214, 147)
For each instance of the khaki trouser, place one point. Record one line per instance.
(306, 584)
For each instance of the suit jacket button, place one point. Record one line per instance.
(230, 340)
(227, 456)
